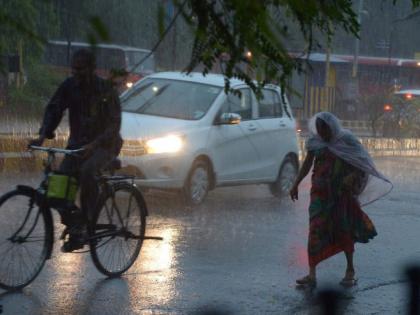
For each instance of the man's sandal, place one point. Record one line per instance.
(306, 281)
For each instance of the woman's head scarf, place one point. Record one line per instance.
(346, 146)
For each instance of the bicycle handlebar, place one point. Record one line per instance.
(56, 150)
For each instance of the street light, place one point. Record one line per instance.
(360, 11)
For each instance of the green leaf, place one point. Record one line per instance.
(99, 28)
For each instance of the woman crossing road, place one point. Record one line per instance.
(344, 178)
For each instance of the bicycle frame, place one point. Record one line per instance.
(41, 200)
(112, 223)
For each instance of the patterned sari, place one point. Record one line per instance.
(336, 219)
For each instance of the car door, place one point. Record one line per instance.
(233, 154)
(272, 132)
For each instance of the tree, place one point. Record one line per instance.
(250, 36)
(377, 105)
(235, 27)
(22, 22)
(403, 121)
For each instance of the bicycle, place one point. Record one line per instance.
(27, 234)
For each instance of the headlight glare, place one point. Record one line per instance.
(168, 144)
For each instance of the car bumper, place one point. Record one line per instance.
(165, 171)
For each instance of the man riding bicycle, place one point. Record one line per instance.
(94, 118)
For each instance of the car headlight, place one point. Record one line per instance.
(129, 85)
(167, 144)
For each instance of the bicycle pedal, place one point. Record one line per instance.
(70, 246)
(64, 233)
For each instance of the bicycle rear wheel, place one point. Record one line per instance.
(25, 239)
(121, 219)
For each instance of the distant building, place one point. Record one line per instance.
(341, 93)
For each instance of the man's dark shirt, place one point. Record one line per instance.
(94, 114)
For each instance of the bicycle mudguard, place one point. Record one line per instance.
(26, 189)
(137, 193)
(31, 191)
(45, 209)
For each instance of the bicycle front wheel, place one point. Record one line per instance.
(118, 229)
(25, 239)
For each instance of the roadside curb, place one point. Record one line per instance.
(14, 156)
(407, 147)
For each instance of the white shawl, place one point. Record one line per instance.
(346, 146)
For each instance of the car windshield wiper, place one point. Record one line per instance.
(148, 103)
(136, 92)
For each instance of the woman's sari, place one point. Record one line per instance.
(336, 218)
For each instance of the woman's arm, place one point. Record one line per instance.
(306, 167)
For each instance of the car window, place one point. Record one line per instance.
(170, 98)
(279, 104)
(239, 104)
(269, 105)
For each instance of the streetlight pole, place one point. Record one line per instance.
(357, 42)
(324, 105)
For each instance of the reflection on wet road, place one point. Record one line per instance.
(241, 251)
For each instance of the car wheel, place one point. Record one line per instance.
(285, 179)
(197, 184)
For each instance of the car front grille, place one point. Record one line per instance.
(133, 148)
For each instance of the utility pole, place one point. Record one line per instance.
(324, 105)
(357, 41)
(19, 74)
(174, 48)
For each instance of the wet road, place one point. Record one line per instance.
(239, 252)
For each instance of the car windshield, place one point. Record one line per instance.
(170, 98)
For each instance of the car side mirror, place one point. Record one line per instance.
(228, 119)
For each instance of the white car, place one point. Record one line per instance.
(184, 132)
